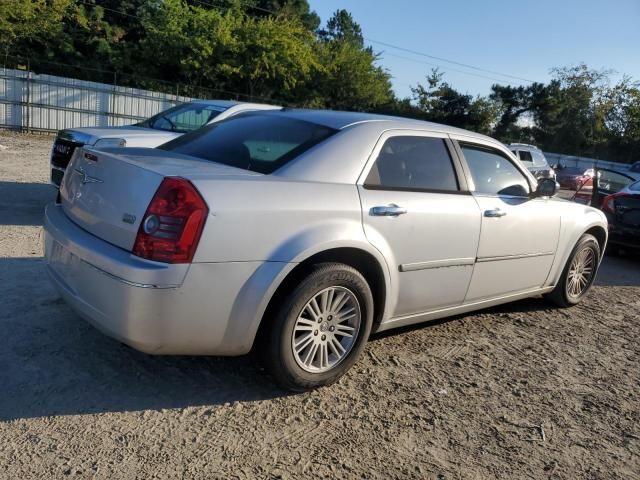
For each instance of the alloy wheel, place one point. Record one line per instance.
(581, 272)
(326, 329)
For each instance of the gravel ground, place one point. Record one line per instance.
(519, 391)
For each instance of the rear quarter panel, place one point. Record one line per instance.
(269, 219)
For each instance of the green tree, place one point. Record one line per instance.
(438, 102)
(350, 78)
(341, 27)
(291, 8)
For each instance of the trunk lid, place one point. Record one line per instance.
(107, 192)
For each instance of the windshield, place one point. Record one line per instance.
(183, 118)
(257, 142)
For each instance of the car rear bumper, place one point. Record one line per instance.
(153, 307)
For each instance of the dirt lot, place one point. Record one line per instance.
(520, 391)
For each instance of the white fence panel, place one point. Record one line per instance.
(583, 162)
(30, 101)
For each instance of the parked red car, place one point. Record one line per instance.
(573, 178)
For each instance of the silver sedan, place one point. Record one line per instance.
(297, 233)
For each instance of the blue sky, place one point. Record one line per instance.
(521, 38)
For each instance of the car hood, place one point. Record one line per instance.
(135, 136)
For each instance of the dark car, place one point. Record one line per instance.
(623, 213)
(617, 194)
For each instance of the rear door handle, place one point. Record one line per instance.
(391, 210)
(496, 212)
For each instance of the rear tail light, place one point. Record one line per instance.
(170, 229)
(609, 202)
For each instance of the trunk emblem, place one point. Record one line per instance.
(86, 178)
(128, 218)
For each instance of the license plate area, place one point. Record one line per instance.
(64, 263)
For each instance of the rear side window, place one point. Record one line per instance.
(493, 173)
(525, 156)
(257, 142)
(413, 163)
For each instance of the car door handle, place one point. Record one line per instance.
(496, 212)
(391, 210)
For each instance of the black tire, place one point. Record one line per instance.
(278, 355)
(560, 294)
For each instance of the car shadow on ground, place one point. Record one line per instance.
(23, 203)
(54, 363)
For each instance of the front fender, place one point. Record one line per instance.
(575, 222)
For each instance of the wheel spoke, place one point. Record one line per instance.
(311, 355)
(336, 301)
(303, 343)
(305, 324)
(315, 307)
(324, 355)
(338, 348)
(343, 301)
(344, 330)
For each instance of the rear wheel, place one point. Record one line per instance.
(320, 329)
(579, 273)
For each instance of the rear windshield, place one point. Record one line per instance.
(257, 142)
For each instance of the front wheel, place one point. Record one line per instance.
(320, 329)
(579, 273)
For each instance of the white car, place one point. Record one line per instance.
(299, 232)
(533, 158)
(152, 132)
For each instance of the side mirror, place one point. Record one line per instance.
(546, 188)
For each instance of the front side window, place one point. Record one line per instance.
(493, 173)
(183, 118)
(252, 141)
(413, 163)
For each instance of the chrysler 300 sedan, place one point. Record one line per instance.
(297, 233)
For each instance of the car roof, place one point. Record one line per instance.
(523, 146)
(230, 103)
(339, 120)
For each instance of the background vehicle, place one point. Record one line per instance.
(152, 132)
(299, 232)
(623, 213)
(573, 178)
(634, 170)
(533, 158)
